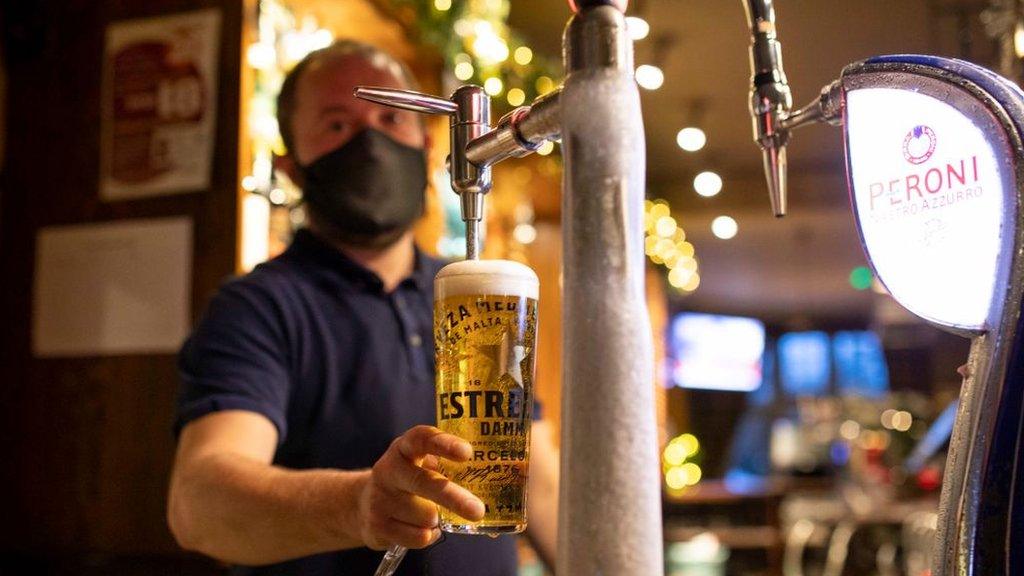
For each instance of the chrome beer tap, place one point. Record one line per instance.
(771, 101)
(475, 144)
(770, 98)
(470, 111)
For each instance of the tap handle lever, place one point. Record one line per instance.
(407, 100)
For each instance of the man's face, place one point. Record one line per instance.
(327, 115)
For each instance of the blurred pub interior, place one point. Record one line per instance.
(803, 413)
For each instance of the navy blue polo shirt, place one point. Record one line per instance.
(312, 341)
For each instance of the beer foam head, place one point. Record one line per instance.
(498, 277)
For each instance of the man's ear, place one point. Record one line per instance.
(287, 165)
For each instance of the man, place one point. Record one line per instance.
(308, 385)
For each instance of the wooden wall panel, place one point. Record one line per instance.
(90, 438)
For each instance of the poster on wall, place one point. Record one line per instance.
(112, 288)
(158, 123)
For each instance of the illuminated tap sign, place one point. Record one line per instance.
(928, 193)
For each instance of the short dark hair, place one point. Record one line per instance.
(339, 49)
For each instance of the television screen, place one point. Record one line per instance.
(713, 352)
(860, 363)
(804, 363)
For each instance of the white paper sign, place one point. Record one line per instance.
(159, 105)
(112, 288)
(929, 198)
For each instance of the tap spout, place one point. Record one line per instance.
(770, 98)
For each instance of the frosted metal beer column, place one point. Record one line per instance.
(610, 501)
(610, 515)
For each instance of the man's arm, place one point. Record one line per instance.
(542, 499)
(228, 501)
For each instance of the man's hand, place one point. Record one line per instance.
(398, 503)
(229, 501)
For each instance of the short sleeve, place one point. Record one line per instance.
(236, 359)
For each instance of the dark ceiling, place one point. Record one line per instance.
(779, 269)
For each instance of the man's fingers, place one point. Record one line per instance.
(407, 477)
(422, 441)
(431, 462)
(414, 510)
(395, 532)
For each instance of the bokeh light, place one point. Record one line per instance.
(522, 55)
(637, 27)
(649, 77)
(707, 183)
(724, 227)
(861, 277)
(493, 86)
(691, 139)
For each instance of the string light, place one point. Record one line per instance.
(665, 244)
(488, 46)
(676, 478)
(1018, 39)
(693, 283)
(659, 209)
(680, 471)
(544, 85)
(690, 443)
(649, 243)
(493, 86)
(523, 55)
(675, 454)
(679, 277)
(322, 38)
(443, 5)
(686, 248)
(665, 226)
(693, 473)
(282, 41)
(463, 27)
(516, 96)
(278, 196)
(546, 148)
(463, 71)
(261, 55)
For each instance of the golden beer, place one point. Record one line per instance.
(485, 330)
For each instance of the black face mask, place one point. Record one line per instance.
(369, 191)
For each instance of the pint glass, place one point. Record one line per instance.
(485, 330)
